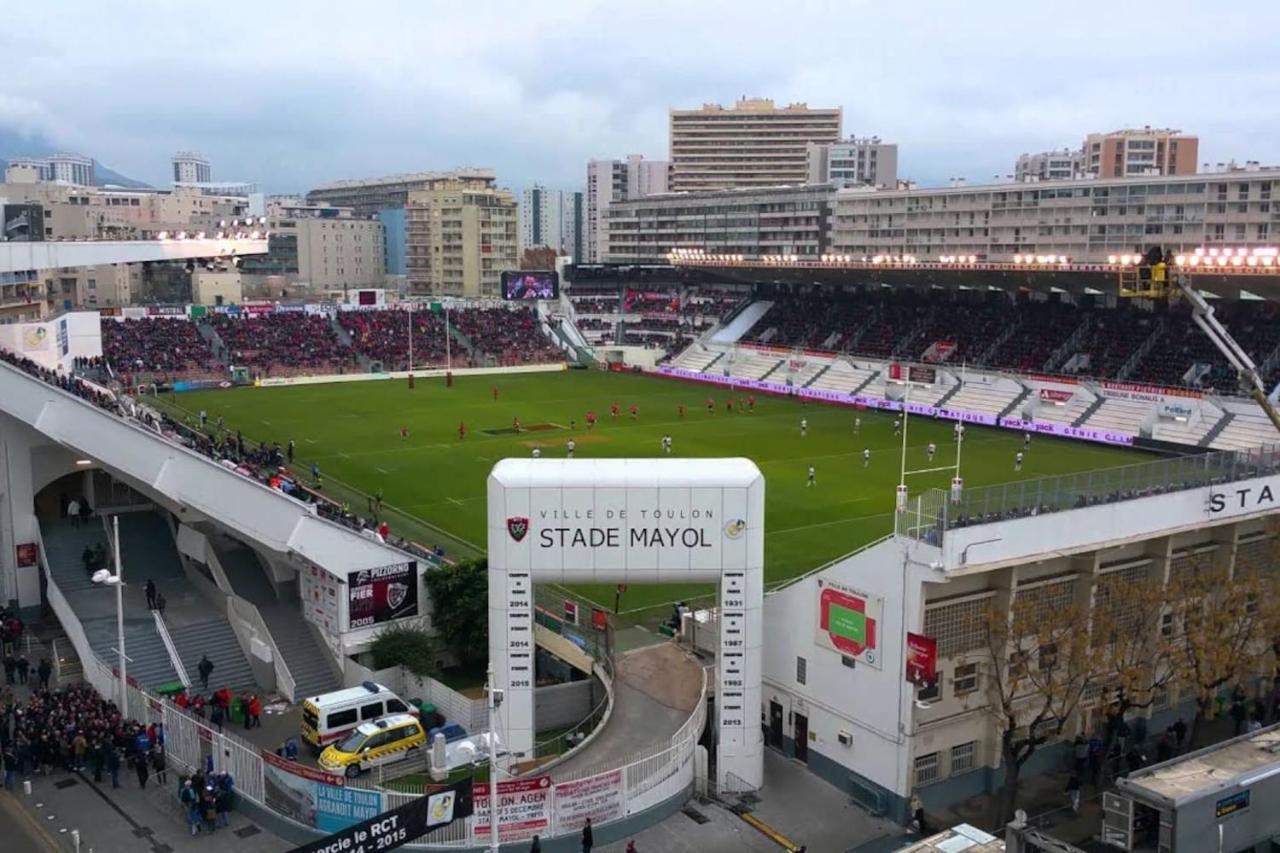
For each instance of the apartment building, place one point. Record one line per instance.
(461, 234)
(1050, 166)
(319, 247)
(780, 220)
(367, 196)
(750, 144)
(1140, 151)
(610, 181)
(74, 169)
(190, 168)
(28, 170)
(852, 162)
(552, 218)
(1084, 219)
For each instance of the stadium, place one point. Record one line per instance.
(932, 442)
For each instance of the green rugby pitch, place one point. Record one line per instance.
(352, 430)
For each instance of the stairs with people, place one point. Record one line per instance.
(216, 640)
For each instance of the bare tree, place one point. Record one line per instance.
(1222, 628)
(1041, 664)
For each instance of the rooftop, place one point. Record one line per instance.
(1237, 763)
(408, 178)
(961, 838)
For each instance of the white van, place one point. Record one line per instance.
(332, 716)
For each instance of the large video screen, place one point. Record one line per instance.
(530, 284)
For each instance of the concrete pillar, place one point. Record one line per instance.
(19, 585)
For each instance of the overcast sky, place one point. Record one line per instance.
(291, 94)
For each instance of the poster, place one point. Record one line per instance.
(523, 809)
(849, 622)
(597, 797)
(320, 602)
(28, 554)
(401, 825)
(382, 594)
(922, 659)
(315, 798)
(35, 338)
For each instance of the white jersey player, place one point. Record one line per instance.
(1026, 441)
(666, 444)
(804, 426)
(897, 426)
(570, 447)
(1017, 461)
(958, 431)
(857, 425)
(537, 453)
(813, 477)
(933, 448)
(866, 456)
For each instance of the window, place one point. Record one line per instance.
(371, 711)
(802, 668)
(965, 679)
(926, 768)
(339, 719)
(930, 692)
(1048, 656)
(958, 627)
(962, 756)
(395, 706)
(1166, 625)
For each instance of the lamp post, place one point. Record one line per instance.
(494, 700)
(102, 576)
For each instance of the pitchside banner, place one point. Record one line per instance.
(849, 621)
(380, 595)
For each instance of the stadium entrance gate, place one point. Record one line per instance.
(632, 521)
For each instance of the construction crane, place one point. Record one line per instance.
(1155, 277)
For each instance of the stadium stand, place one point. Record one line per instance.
(284, 344)
(384, 336)
(158, 348)
(506, 336)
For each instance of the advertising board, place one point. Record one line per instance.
(315, 798)
(523, 808)
(598, 797)
(379, 595)
(849, 621)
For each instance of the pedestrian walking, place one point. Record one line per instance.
(255, 712)
(23, 666)
(44, 671)
(10, 666)
(535, 846)
(113, 766)
(205, 668)
(189, 798)
(10, 760)
(143, 769)
(917, 813)
(73, 512)
(151, 594)
(217, 715)
(158, 768)
(1073, 792)
(588, 839)
(161, 601)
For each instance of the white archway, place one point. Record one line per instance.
(632, 521)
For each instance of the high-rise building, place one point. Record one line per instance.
(1061, 165)
(462, 233)
(853, 162)
(617, 180)
(28, 170)
(367, 196)
(189, 168)
(551, 218)
(72, 169)
(751, 144)
(1140, 152)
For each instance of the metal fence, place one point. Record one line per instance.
(928, 515)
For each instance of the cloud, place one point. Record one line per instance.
(290, 94)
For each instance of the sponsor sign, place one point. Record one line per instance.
(255, 308)
(399, 826)
(1239, 499)
(167, 311)
(1056, 395)
(1045, 428)
(849, 621)
(28, 554)
(524, 809)
(1232, 804)
(1170, 409)
(598, 797)
(379, 595)
(922, 659)
(1150, 393)
(315, 798)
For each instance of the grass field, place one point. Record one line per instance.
(353, 431)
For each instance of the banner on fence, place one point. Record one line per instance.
(315, 798)
(401, 825)
(598, 797)
(523, 809)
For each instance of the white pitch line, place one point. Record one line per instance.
(454, 501)
(382, 470)
(343, 456)
(309, 440)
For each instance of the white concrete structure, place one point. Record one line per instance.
(72, 169)
(15, 257)
(631, 521)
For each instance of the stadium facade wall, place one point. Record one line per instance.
(435, 372)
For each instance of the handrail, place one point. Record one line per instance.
(169, 647)
(249, 613)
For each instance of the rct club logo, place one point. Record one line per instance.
(396, 594)
(518, 527)
(735, 528)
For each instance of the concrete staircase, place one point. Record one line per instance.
(1222, 424)
(311, 665)
(215, 639)
(309, 662)
(814, 377)
(95, 606)
(1088, 413)
(1016, 404)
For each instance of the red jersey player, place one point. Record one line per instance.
(751, 403)
(404, 432)
(462, 430)
(613, 410)
(680, 409)
(711, 406)
(728, 405)
(515, 424)
(591, 421)
(635, 411)
(495, 392)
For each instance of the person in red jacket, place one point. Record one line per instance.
(462, 430)
(255, 712)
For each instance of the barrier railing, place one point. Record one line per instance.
(169, 647)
